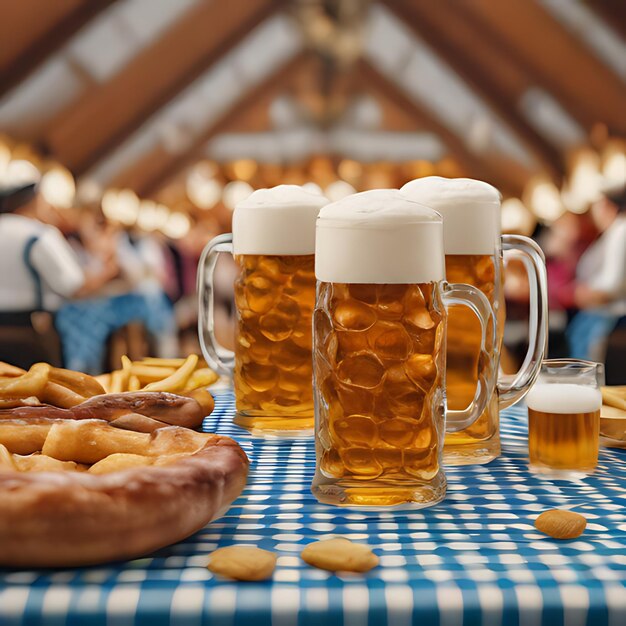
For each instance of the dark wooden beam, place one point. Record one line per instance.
(31, 30)
(87, 130)
(438, 23)
(613, 12)
(158, 169)
(508, 177)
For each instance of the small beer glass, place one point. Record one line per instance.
(379, 352)
(273, 242)
(564, 418)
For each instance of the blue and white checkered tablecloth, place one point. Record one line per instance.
(473, 559)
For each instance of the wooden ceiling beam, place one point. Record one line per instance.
(613, 12)
(32, 30)
(508, 177)
(438, 25)
(158, 168)
(101, 119)
(559, 62)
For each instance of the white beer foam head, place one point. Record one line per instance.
(470, 210)
(563, 398)
(280, 220)
(379, 237)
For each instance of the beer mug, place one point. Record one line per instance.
(473, 247)
(379, 352)
(273, 243)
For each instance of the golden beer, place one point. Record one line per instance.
(473, 244)
(564, 418)
(480, 441)
(378, 365)
(273, 243)
(563, 441)
(274, 297)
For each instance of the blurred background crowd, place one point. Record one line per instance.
(131, 128)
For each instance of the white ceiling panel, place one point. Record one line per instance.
(149, 18)
(264, 49)
(387, 39)
(550, 119)
(25, 109)
(111, 41)
(597, 34)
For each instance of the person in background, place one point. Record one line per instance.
(39, 269)
(600, 293)
(563, 244)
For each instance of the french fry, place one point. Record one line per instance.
(29, 384)
(202, 377)
(82, 384)
(105, 381)
(126, 365)
(150, 373)
(178, 379)
(133, 383)
(117, 381)
(58, 395)
(156, 362)
(175, 363)
(615, 397)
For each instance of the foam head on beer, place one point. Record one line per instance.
(379, 237)
(563, 399)
(277, 221)
(470, 210)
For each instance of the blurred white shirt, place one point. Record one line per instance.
(603, 265)
(51, 255)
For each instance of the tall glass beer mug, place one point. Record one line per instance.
(379, 352)
(473, 247)
(273, 242)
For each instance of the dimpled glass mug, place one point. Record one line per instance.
(379, 352)
(273, 242)
(473, 246)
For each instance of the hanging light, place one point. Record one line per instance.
(338, 190)
(204, 191)
(58, 188)
(152, 215)
(21, 172)
(614, 164)
(120, 205)
(177, 225)
(585, 181)
(88, 191)
(544, 199)
(244, 169)
(313, 188)
(235, 192)
(516, 218)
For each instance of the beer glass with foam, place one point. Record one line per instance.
(273, 243)
(379, 352)
(473, 247)
(564, 418)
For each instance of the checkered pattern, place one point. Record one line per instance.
(473, 559)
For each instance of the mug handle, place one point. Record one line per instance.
(219, 357)
(473, 298)
(512, 388)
